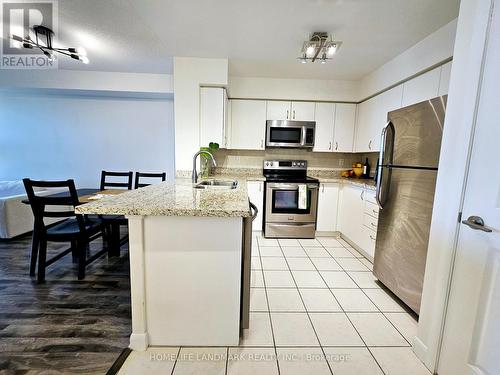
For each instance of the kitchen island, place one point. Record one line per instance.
(185, 247)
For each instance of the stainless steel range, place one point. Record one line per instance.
(290, 200)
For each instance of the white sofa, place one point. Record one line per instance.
(16, 218)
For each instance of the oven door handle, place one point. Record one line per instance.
(290, 187)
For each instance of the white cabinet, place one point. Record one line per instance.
(444, 81)
(325, 124)
(372, 117)
(278, 110)
(351, 211)
(358, 217)
(248, 124)
(284, 110)
(213, 116)
(423, 87)
(256, 196)
(345, 121)
(334, 127)
(328, 198)
(303, 111)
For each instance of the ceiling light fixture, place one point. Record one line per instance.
(319, 44)
(43, 41)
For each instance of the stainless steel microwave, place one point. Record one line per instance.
(284, 133)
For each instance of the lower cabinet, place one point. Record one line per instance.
(256, 196)
(358, 217)
(328, 199)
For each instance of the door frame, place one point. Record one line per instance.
(463, 99)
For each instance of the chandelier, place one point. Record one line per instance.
(43, 41)
(320, 46)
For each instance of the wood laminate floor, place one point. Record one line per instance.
(64, 326)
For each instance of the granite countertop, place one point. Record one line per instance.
(178, 198)
(367, 183)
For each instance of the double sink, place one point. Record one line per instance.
(217, 184)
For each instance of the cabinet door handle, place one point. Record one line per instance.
(261, 143)
(362, 194)
(323, 188)
(370, 145)
(330, 145)
(287, 113)
(294, 114)
(336, 145)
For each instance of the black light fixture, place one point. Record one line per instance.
(44, 33)
(320, 46)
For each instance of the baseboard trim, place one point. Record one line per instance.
(139, 341)
(421, 351)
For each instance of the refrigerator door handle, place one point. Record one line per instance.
(378, 196)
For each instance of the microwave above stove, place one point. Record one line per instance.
(293, 134)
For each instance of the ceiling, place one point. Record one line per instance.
(261, 38)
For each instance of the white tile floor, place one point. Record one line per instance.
(315, 309)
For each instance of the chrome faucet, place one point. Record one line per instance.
(194, 176)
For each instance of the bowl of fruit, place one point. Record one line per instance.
(357, 169)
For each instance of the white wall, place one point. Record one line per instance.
(189, 75)
(430, 51)
(60, 137)
(295, 89)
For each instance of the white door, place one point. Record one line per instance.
(278, 110)
(471, 342)
(302, 111)
(256, 196)
(328, 199)
(345, 120)
(325, 120)
(248, 124)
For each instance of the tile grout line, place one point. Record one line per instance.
(269, 309)
(347, 316)
(307, 311)
(379, 310)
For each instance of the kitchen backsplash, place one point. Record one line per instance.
(316, 160)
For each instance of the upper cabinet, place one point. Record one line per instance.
(372, 117)
(444, 81)
(325, 124)
(248, 124)
(284, 110)
(303, 111)
(213, 116)
(345, 121)
(334, 127)
(421, 88)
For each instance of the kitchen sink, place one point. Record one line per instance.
(217, 184)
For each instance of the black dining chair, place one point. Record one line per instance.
(113, 222)
(139, 175)
(76, 229)
(125, 183)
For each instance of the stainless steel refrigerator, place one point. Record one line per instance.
(406, 180)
